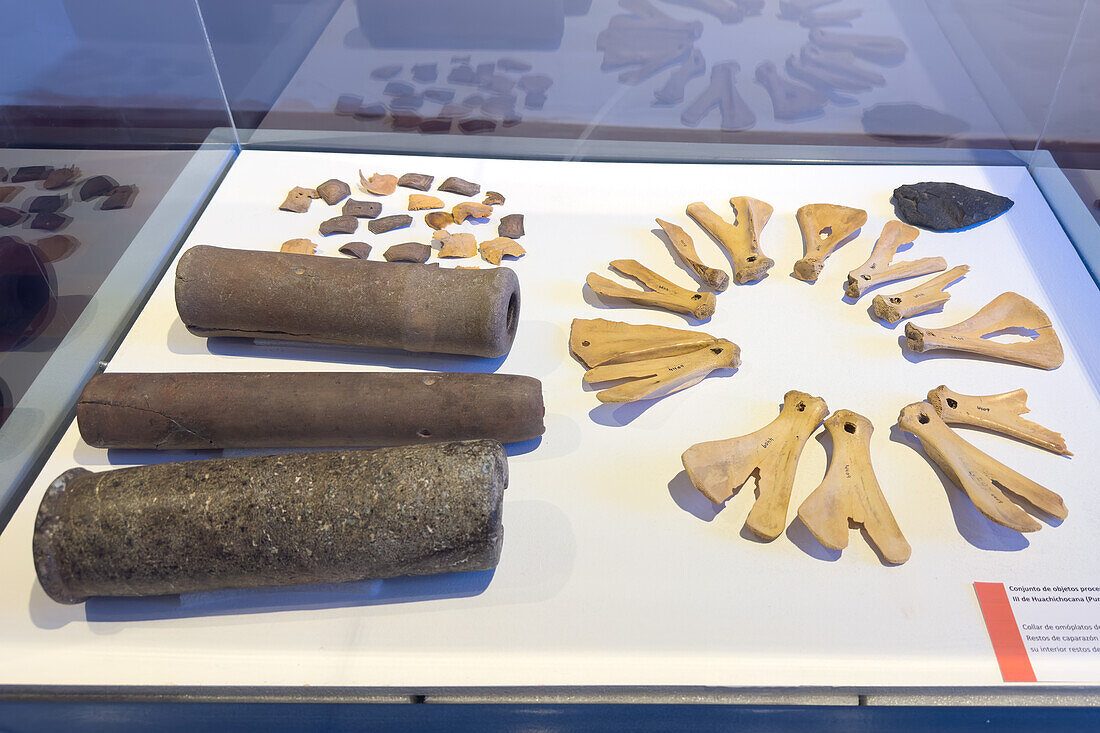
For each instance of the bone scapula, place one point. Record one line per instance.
(722, 93)
(1006, 311)
(977, 473)
(719, 467)
(663, 294)
(879, 269)
(850, 491)
(835, 222)
(997, 412)
(596, 341)
(655, 378)
(924, 297)
(740, 239)
(685, 247)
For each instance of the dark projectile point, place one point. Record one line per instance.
(943, 207)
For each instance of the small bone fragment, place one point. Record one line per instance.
(663, 293)
(389, 223)
(419, 181)
(460, 186)
(419, 202)
(726, 12)
(360, 250)
(511, 226)
(721, 93)
(492, 198)
(877, 49)
(299, 199)
(997, 412)
(408, 252)
(740, 239)
(978, 474)
(456, 245)
(824, 228)
(439, 219)
(790, 101)
(380, 184)
(494, 249)
(339, 225)
(1008, 311)
(470, 209)
(654, 378)
(333, 191)
(922, 298)
(299, 247)
(709, 276)
(121, 197)
(673, 90)
(361, 209)
(850, 492)
(596, 341)
(880, 268)
(61, 177)
(718, 468)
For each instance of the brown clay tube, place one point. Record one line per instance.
(393, 305)
(306, 409)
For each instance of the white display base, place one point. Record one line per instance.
(615, 571)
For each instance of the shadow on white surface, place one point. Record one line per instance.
(974, 526)
(691, 500)
(621, 414)
(802, 538)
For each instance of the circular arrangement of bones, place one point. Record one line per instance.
(461, 245)
(651, 362)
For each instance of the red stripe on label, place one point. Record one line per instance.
(1004, 632)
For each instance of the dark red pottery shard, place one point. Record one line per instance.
(372, 111)
(120, 198)
(511, 226)
(10, 216)
(418, 181)
(460, 186)
(47, 204)
(348, 104)
(31, 173)
(49, 222)
(333, 191)
(356, 249)
(61, 177)
(408, 252)
(386, 72)
(475, 126)
(96, 187)
(339, 225)
(389, 223)
(425, 73)
(361, 209)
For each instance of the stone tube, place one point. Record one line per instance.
(276, 295)
(290, 519)
(306, 410)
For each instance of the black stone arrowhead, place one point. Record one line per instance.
(944, 207)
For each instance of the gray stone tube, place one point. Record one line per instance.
(176, 411)
(276, 295)
(289, 519)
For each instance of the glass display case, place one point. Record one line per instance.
(233, 232)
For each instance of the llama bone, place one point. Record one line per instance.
(879, 269)
(825, 227)
(653, 378)
(997, 412)
(740, 239)
(596, 341)
(922, 298)
(850, 491)
(662, 294)
(978, 474)
(1005, 312)
(721, 93)
(719, 467)
(685, 247)
(673, 90)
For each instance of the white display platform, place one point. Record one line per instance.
(615, 571)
